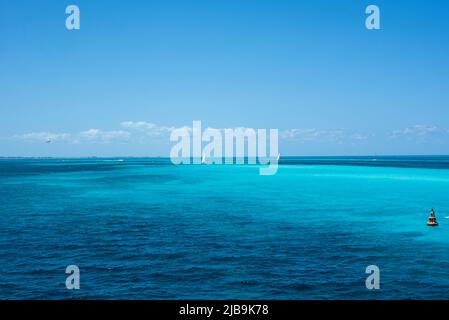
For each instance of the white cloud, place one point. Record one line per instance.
(420, 133)
(360, 136)
(44, 137)
(92, 136)
(141, 131)
(98, 135)
(317, 135)
(148, 128)
(138, 125)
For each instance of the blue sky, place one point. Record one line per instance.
(136, 69)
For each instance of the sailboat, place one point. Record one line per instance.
(279, 156)
(203, 160)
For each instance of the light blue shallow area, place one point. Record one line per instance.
(146, 229)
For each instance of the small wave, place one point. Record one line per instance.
(113, 160)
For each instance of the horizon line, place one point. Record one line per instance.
(165, 157)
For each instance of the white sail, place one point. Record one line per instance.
(203, 160)
(279, 156)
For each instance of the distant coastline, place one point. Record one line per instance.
(286, 156)
(402, 161)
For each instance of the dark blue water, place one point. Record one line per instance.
(145, 229)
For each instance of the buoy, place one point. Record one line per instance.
(432, 221)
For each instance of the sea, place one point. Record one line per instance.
(143, 228)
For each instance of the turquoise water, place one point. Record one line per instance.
(146, 229)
